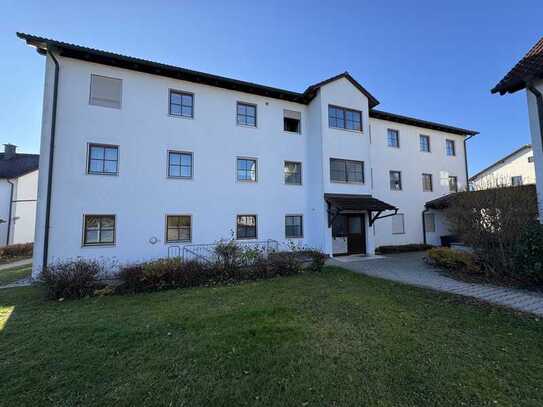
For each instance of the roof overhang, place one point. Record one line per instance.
(340, 204)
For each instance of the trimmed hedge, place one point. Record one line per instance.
(454, 260)
(16, 250)
(72, 279)
(404, 248)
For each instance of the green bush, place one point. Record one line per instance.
(404, 248)
(71, 279)
(454, 260)
(528, 258)
(16, 250)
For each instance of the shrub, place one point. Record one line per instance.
(454, 260)
(71, 279)
(317, 259)
(284, 263)
(404, 248)
(16, 250)
(528, 258)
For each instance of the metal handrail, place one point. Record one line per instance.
(195, 250)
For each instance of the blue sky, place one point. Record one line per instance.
(432, 60)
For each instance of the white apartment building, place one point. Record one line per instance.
(514, 169)
(148, 157)
(18, 194)
(528, 74)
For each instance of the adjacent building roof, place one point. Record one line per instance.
(501, 161)
(122, 61)
(19, 165)
(529, 68)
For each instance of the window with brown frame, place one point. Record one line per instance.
(99, 230)
(246, 227)
(178, 228)
(343, 118)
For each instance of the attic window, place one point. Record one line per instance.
(291, 121)
(106, 92)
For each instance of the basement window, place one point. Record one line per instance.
(292, 121)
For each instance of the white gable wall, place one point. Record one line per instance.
(501, 174)
(537, 133)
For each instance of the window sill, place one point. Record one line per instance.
(347, 182)
(178, 116)
(110, 174)
(240, 181)
(349, 130)
(180, 178)
(298, 133)
(247, 126)
(101, 245)
(177, 241)
(292, 185)
(294, 238)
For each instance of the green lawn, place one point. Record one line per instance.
(13, 274)
(328, 339)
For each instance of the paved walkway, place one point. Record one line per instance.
(409, 268)
(17, 263)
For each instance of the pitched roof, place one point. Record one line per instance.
(379, 114)
(529, 68)
(19, 165)
(501, 161)
(155, 68)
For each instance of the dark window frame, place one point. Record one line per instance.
(397, 132)
(299, 131)
(449, 142)
(100, 229)
(531, 159)
(399, 178)
(424, 137)
(301, 236)
(255, 106)
(238, 237)
(169, 165)
(285, 173)
(178, 228)
(430, 177)
(455, 178)
(181, 93)
(517, 177)
(345, 110)
(345, 162)
(89, 159)
(256, 170)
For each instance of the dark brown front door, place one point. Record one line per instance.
(356, 236)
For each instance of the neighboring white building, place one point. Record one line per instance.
(148, 157)
(514, 169)
(528, 74)
(18, 194)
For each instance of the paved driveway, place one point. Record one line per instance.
(409, 268)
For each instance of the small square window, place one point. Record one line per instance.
(531, 159)
(246, 169)
(294, 226)
(425, 143)
(246, 227)
(105, 91)
(293, 173)
(178, 228)
(398, 225)
(393, 137)
(179, 164)
(395, 180)
(246, 114)
(99, 230)
(427, 185)
(451, 148)
(181, 104)
(291, 121)
(516, 180)
(103, 159)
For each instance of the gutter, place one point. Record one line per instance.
(51, 160)
(424, 212)
(11, 185)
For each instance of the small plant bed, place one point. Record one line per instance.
(231, 263)
(15, 252)
(13, 274)
(404, 248)
(468, 267)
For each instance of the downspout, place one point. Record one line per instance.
(51, 159)
(10, 209)
(424, 212)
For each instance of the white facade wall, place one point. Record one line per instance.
(537, 133)
(5, 197)
(501, 173)
(142, 195)
(412, 163)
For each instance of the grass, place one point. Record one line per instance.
(13, 274)
(332, 339)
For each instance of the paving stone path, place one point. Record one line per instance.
(409, 268)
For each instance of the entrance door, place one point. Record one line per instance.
(356, 234)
